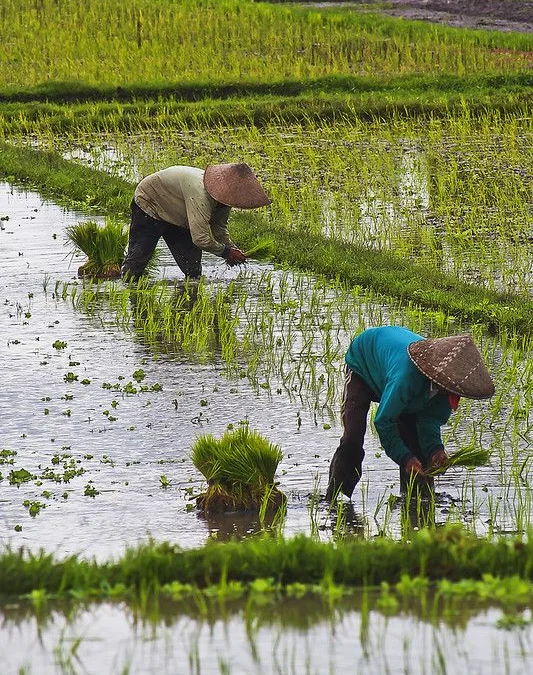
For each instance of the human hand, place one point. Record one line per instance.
(439, 460)
(235, 256)
(413, 467)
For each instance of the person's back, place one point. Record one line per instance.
(379, 354)
(164, 194)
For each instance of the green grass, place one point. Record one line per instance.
(66, 182)
(107, 117)
(447, 553)
(399, 88)
(108, 42)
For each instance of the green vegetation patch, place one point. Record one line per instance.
(107, 41)
(448, 553)
(387, 273)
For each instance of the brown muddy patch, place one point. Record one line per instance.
(502, 15)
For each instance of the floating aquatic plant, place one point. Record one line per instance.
(239, 469)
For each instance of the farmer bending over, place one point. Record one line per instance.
(189, 208)
(417, 383)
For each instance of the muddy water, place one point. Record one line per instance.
(95, 455)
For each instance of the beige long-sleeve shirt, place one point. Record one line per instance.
(177, 196)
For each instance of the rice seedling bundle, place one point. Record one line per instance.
(104, 247)
(468, 458)
(262, 250)
(239, 469)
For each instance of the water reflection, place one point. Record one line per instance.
(238, 524)
(311, 634)
(345, 522)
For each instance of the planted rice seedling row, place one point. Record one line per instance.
(268, 42)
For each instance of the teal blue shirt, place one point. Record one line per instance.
(379, 356)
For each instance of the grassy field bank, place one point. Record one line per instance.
(448, 553)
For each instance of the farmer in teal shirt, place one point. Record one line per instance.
(417, 383)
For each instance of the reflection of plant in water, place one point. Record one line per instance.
(284, 332)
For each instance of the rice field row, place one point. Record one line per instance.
(110, 42)
(452, 193)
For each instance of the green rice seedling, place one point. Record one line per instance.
(262, 250)
(104, 247)
(239, 468)
(468, 458)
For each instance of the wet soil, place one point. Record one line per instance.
(501, 15)
(504, 15)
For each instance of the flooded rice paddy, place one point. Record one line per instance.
(98, 419)
(454, 194)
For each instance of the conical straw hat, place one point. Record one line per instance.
(234, 185)
(454, 363)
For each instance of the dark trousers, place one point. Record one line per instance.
(347, 463)
(145, 232)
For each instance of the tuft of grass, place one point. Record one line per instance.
(262, 250)
(239, 468)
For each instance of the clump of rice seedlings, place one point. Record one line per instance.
(262, 250)
(239, 468)
(468, 458)
(104, 247)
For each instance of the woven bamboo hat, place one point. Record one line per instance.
(454, 363)
(234, 185)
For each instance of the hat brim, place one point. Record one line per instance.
(234, 185)
(453, 363)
